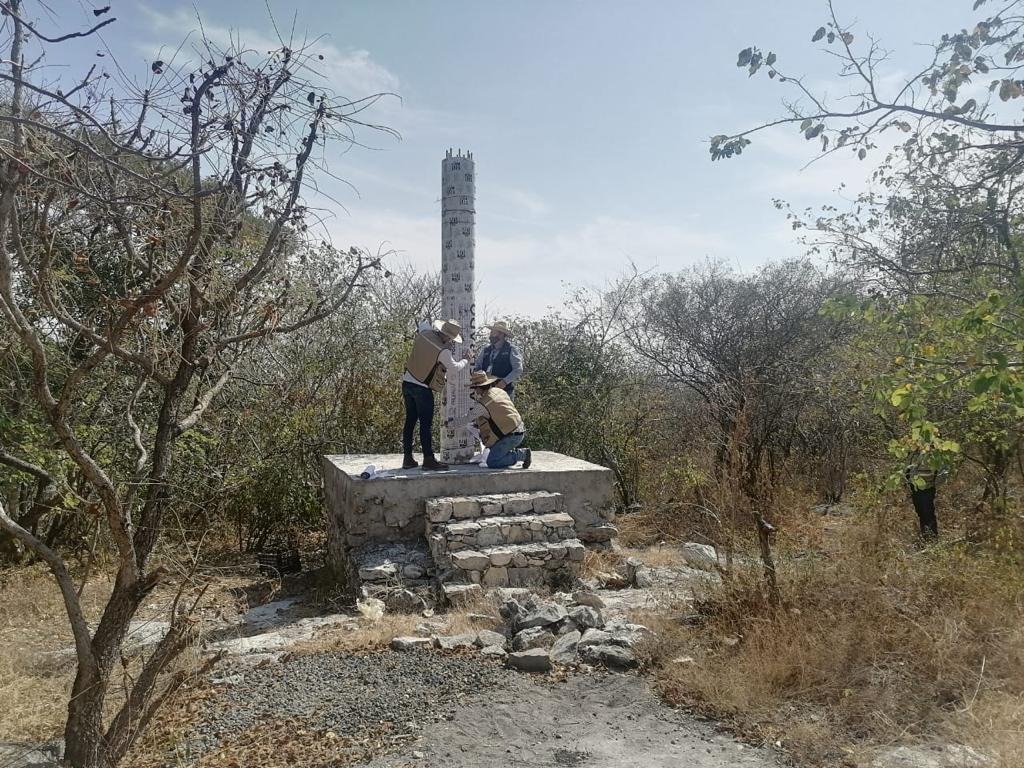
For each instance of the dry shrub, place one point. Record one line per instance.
(468, 616)
(879, 644)
(597, 561)
(672, 521)
(693, 503)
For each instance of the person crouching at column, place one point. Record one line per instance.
(501, 427)
(425, 372)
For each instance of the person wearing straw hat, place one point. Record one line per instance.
(501, 359)
(501, 427)
(425, 372)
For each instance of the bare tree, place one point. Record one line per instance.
(150, 240)
(744, 345)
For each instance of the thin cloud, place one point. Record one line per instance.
(353, 74)
(519, 202)
(526, 273)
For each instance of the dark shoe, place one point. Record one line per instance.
(528, 458)
(410, 462)
(429, 462)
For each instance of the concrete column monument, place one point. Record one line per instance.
(458, 302)
(403, 529)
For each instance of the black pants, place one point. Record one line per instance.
(924, 505)
(419, 406)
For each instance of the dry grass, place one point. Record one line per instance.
(361, 636)
(290, 743)
(271, 744)
(367, 635)
(597, 561)
(469, 616)
(874, 645)
(37, 662)
(658, 556)
(35, 676)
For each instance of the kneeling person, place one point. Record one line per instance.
(501, 427)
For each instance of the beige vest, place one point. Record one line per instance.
(423, 363)
(502, 416)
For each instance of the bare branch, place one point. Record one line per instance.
(6, 8)
(25, 466)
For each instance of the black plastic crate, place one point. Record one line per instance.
(275, 562)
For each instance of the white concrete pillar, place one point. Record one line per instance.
(458, 302)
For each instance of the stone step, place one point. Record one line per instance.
(517, 565)
(443, 509)
(445, 538)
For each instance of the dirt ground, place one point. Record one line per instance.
(593, 721)
(596, 719)
(567, 718)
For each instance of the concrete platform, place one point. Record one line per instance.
(390, 509)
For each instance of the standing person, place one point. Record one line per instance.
(921, 481)
(426, 371)
(501, 427)
(501, 359)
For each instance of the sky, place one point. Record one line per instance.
(588, 120)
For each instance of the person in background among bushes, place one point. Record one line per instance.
(501, 359)
(426, 371)
(501, 427)
(921, 480)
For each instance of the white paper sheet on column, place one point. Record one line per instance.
(458, 241)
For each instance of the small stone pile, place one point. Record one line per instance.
(538, 633)
(392, 563)
(399, 574)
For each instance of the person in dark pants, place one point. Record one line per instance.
(921, 482)
(425, 371)
(419, 409)
(501, 359)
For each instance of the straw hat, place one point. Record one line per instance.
(449, 328)
(501, 327)
(481, 379)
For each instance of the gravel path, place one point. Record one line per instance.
(402, 693)
(454, 711)
(591, 721)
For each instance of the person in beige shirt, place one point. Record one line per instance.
(425, 372)
(501, 427)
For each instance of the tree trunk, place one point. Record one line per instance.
(764, 532)
(996, 469)
(84, 745)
